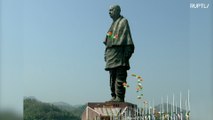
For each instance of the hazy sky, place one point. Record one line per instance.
(53, 50)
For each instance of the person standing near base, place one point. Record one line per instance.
(119, 49)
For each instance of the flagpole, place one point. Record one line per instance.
(188, 105)
(186, 109)
(173, 106)
(145, 114)
(173, 103)
(176, 113)
(144, 110)
(153, 109)
(149, 110)
(171, 111)
(167, 107)
(135, 112)
(161, 109)
(180, 107)
(188, 101)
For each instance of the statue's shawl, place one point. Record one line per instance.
(119, 33)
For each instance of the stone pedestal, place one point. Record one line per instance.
(109, 111)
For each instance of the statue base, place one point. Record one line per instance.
(109, 111)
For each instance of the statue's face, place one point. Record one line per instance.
(113, 12)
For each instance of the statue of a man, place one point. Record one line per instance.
(119, 49)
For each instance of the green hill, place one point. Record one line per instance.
(37, 110)
(75, 110)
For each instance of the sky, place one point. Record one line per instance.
(53, 50)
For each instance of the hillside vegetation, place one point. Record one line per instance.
(37, 110)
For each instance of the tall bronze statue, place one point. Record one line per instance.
(119, 49)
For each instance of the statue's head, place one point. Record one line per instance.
(114, 11)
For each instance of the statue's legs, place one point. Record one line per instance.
(121, 75)
(112, 73)
(117, 78)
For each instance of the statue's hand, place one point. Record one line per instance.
(128, 52)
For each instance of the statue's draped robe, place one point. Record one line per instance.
(119, 45)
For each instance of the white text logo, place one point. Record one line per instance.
(199, 5)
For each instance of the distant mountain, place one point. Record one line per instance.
(37, 110)
(76, 110)
(64, 106)
(61, 104)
